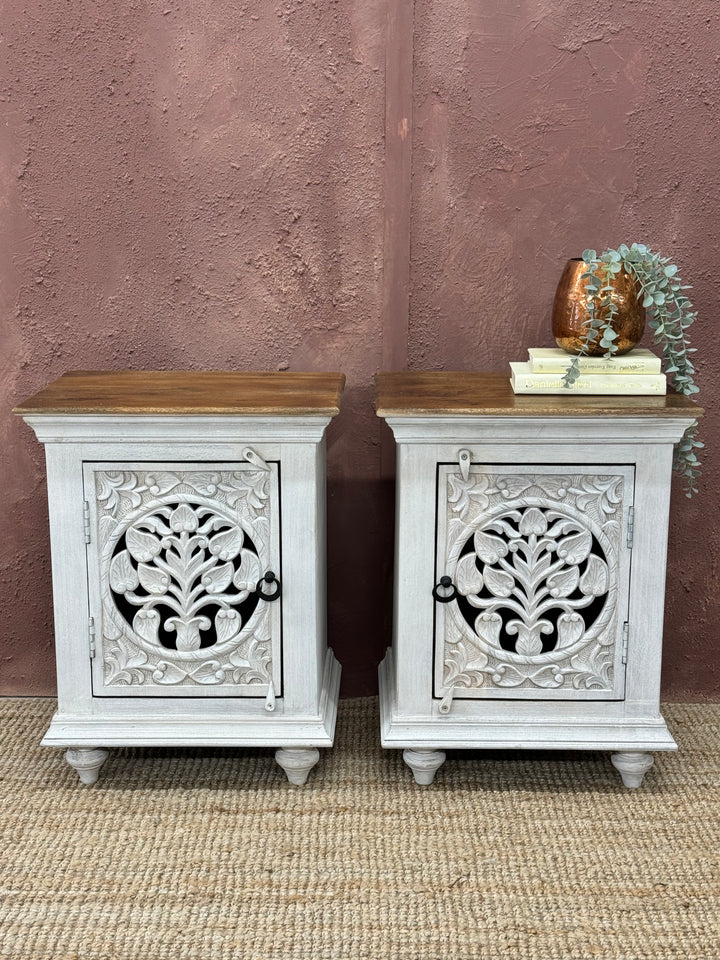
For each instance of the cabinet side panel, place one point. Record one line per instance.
(69, 575)
(414, 571)
(647, 584)
(303, 563)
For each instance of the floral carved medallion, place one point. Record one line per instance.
(535, 563)
(179, 557)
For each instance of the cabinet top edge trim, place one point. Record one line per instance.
(167, 392)
(122, 429)
(465, 393)
(535, 430)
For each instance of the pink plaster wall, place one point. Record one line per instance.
(202, 186)
(543, 127)
(189, 186)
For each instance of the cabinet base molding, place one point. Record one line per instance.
(295, 735)
(424, 738)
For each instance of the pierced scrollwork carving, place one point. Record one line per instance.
(534, 559)
(181, 554)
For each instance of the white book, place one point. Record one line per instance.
(526, 380)
(555, 360)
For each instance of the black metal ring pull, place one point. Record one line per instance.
(445, 584)
(268, 578)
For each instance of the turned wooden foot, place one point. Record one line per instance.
(424, 764)
(87, 762)
(297, 762)
(632, 766)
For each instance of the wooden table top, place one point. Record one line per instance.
(189, 392)
(409, 394)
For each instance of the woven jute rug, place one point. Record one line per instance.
(211, 854)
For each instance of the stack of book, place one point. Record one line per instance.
(637, 372)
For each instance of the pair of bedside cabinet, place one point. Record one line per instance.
(187, 521)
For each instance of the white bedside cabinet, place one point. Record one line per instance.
(187, 527)
(531, 536)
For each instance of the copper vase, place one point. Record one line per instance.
(570, 313)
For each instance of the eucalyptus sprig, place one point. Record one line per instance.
(671, 313)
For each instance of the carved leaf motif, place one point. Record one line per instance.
(258, 657)
(188, 631)
(227, 624)
(111, 629)
(487, 627)
(227, 545)
(533, 521)
(575, 548)
(548, 678)
(571, 627)
(112, 486)
(168, 673)
(258, 492)
(152, 579)
(141, 545)
(506, 675)
(469, 579)
(499, 583)
(183, 519)
(204, 483)
(554, 487)
(596, 580)
(249, 572)
(462, 491)
(161, 483)
(146, 624)
(127, 656)
(209, 672)
(512, 487)
(261, 533)
(529, 641)
(237, 660)
(562, 583)
(595, 672)
(489, 548)
(606, 491)
(123, 576)
(218, 578)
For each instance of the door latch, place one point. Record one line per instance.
(247, 453)
(464, 460)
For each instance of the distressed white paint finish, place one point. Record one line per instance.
(420, 709)
(272, 682)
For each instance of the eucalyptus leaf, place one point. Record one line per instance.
(670, 314)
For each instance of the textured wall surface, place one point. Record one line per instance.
(201, 186)
(190, 186)
(543, 128)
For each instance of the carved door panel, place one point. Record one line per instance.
(185, 579)
(539, 568)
